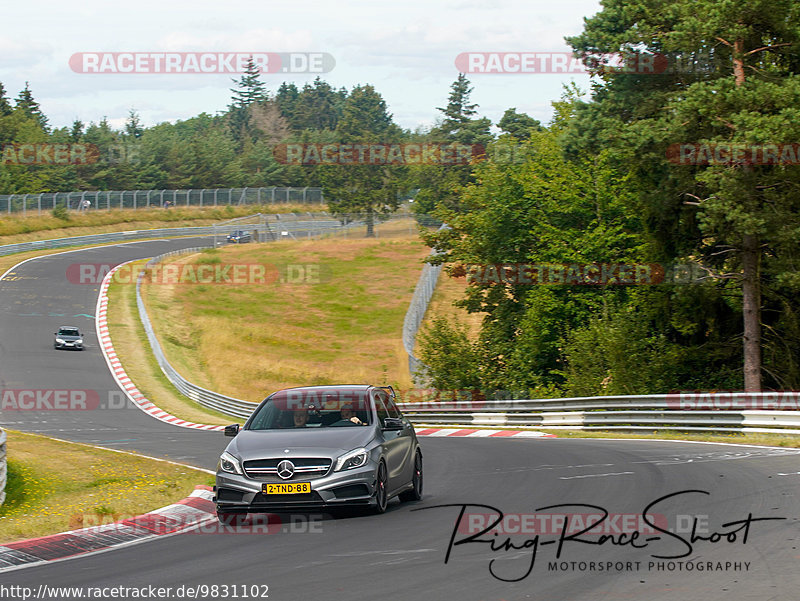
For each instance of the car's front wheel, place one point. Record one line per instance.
(415, 494)
(381, 493)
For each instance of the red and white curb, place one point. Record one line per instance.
(114, 364)
(479, 433)
(138, 399)
(191, 513)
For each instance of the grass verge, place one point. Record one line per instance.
(55, 486)
(133, 349)
(341, 326)
(771, 440)
(759, 439)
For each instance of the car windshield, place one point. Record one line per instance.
(68, 332)
(308, 408)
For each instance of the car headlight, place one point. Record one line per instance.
(352, 460)
(229, 463)
(60, 340)
(79, 341)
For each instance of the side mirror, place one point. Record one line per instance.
(393, 423)
(232, 430)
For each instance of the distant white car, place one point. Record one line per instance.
(68, 337)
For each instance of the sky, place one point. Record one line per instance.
(407, 51)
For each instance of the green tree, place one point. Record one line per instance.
(440, 186)
(519, 125)
(26, 103)
(5, 105)
(363, 189)
(733, 81)
(249, 91)
(133, 125)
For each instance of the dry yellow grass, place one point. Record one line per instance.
(133, 349)
(55, 486)
(249, 340)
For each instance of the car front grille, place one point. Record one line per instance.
(305, 468)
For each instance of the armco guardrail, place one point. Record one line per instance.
(105, 200)
(3, 469)
(635, 412)
(207, 398)
(416, 313)
(202, 396)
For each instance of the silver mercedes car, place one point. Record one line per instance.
(319, 447)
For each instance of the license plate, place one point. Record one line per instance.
(287, 488)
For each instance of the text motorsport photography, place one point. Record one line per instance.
(668, 545)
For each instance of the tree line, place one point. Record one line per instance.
(603, 184)
(597, 185)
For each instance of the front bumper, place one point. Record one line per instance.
(240, 494)
(69, 345)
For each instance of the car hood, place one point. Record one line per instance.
(68, 337)
(307, 442)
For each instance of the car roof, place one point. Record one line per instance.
(332, 387)
(68, 328)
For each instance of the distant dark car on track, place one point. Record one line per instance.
(239, 237)
(68, 337)
(320, 446)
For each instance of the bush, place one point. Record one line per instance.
(453, 361)
(61, 212)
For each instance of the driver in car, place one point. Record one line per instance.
(300, 418)
(348, 414)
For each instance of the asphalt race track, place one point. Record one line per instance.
(736, 555)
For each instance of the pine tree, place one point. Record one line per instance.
(133, 126)
(76, 131)
(248, 91)
(519, 125)
(27, 104)
(5, 105)
(367, 190)
(742, 90)
(249, 88)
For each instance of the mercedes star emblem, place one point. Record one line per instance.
(285, 469)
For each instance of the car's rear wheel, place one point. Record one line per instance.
(415, 494)
(381, 493)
